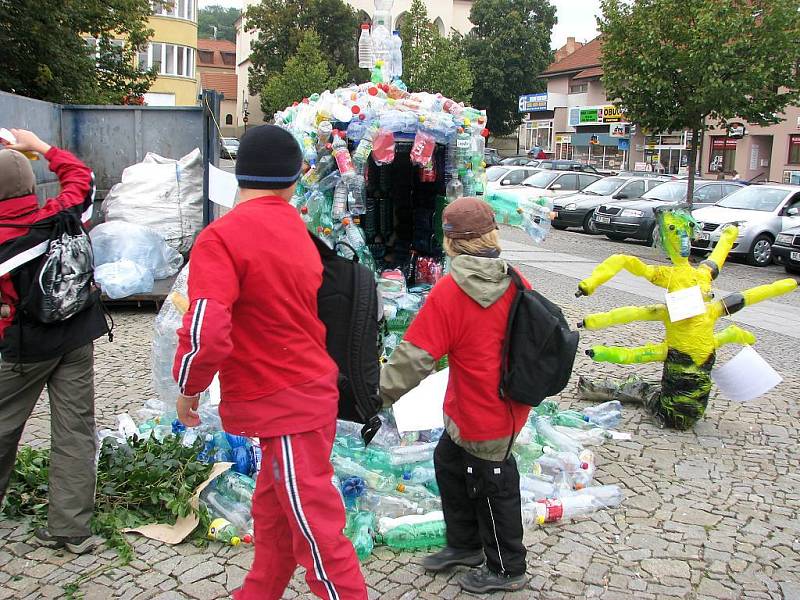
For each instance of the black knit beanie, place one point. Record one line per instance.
(269, 158)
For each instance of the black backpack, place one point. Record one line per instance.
(347, 303)
(538, 350)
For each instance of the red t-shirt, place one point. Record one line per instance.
(454, 324)
(253, 281)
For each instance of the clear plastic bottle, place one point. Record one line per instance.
(307, 219)
(218, 505)
(376, 481)
(416, 453)
(342, 155)
(606, 415)
(236, 487)
(366, 50)
(540, 488)
(382, 39)
(553, 438)
(455, 189)
(584, 502)
(324, 130)
(389, 505)
(422, 475)
(365, 146)
(397, 55)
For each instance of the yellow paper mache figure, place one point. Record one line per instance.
(689, 351)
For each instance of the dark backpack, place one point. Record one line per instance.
(538, 350)
(347, 303)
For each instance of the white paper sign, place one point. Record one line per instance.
(685, 304)
(222, 186)
(746, 376)
(421, 408)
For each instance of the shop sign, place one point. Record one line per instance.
(721, 143)
(736, 131)
(618, 130)
(563, 139)
(595, 115)
(624, 144)
(533, 102)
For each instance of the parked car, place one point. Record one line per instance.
(533, 163)
(566, 165)
(229, 147)
(549, 184)
(491, 157)
(515, 161)
(648, 174)
(502, 176)
(760, 211)
(636, 219)
(786, 249)
(576, 210)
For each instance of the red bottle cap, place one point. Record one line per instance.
(247, 538)
(304, 210)
(373, 91)
(355, 109)
(365, 26)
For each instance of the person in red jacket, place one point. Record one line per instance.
(59, 355)
(465, 318)
(253, 280)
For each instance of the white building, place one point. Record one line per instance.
(446, 15)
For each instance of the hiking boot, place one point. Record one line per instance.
(483, 581)
(448, 558)
(76, 545)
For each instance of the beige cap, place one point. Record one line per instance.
(16, 175)
(468, 218)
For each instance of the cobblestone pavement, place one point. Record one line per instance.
(709, 513)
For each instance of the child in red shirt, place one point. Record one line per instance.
(465, 318)
(253, 285)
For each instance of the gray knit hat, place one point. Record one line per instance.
(16, 175)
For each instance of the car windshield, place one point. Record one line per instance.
(541, 180)
(495, 173)
(604, 187)
(754, 198)
(672, 191)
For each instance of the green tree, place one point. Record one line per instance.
(222, 18)
(305, 73)
(676, 65)
(508, 50)
(432, 62)
(46, 52)
(281, 25)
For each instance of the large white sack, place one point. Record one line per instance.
(164, 194)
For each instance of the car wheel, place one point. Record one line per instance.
(760, 254)
(588, 224)
(559, 227)
(616, 237)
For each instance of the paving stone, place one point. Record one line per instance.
(658, 568)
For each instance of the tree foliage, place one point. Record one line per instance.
(44, 53)
(431, 62)
(305, 73)
(508, 50)
(281, 25)
(673, 65)
(222, 18)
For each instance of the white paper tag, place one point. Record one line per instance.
(685, 304)
(746, 376)
(463, 144)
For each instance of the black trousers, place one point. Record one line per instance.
(481, 505)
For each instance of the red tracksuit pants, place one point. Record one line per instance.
(298, 518)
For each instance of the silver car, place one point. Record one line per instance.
(760, 211)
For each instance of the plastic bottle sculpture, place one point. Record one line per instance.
(689, 351)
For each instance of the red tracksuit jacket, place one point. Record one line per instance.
(253, 280)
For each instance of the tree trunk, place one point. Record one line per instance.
(692, 166)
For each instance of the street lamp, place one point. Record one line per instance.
(245, 114)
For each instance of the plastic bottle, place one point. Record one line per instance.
(309, 151)
(540, 488)
(553, 438)
(455, 189)
(376, 481)
(236, 487)
(422, 475)
(366, 51)
(224, 531)
(360, 531)
(422, 149)
(352, 488)
(606, 415)
(365, 147)
(237, 513)
(463, 143)
(580, 503)
(389, 505)
(594, 436)
(342, 155)
(382, 39)
(413, 532)
(324, 130)
(383, 147)
(570, 418)
(397, 56)
(307, 219)
(417, 453)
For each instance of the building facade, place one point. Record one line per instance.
(446, 15)
(173, 52)
(216, 70)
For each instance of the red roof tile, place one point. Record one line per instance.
(216, 48)
(589, 73)
(222, 82)
(583, 58)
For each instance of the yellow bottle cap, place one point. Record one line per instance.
(235, 541)
(540, 520)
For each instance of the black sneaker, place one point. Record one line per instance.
(483, 581)
(448, 558)
(76, 545)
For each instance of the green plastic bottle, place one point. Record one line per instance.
(547, 407)
(570, 418)
(360, 529)
(416, 536)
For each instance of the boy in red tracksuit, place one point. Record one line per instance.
(253, 285)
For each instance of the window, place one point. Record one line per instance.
(634, 189)
(229, 119)
(723, 154)
(568, 182)
(586, 180)
(729, 189)
(578, 88)
(181, 9)
(229, 58)
(708, 193)
(517, 176)
(168, 59)
(794, 150)
(206, 56)
(651, 183)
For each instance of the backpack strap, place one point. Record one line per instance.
(517, 281)
(515, 278)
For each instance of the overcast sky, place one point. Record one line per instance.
(575, 18)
